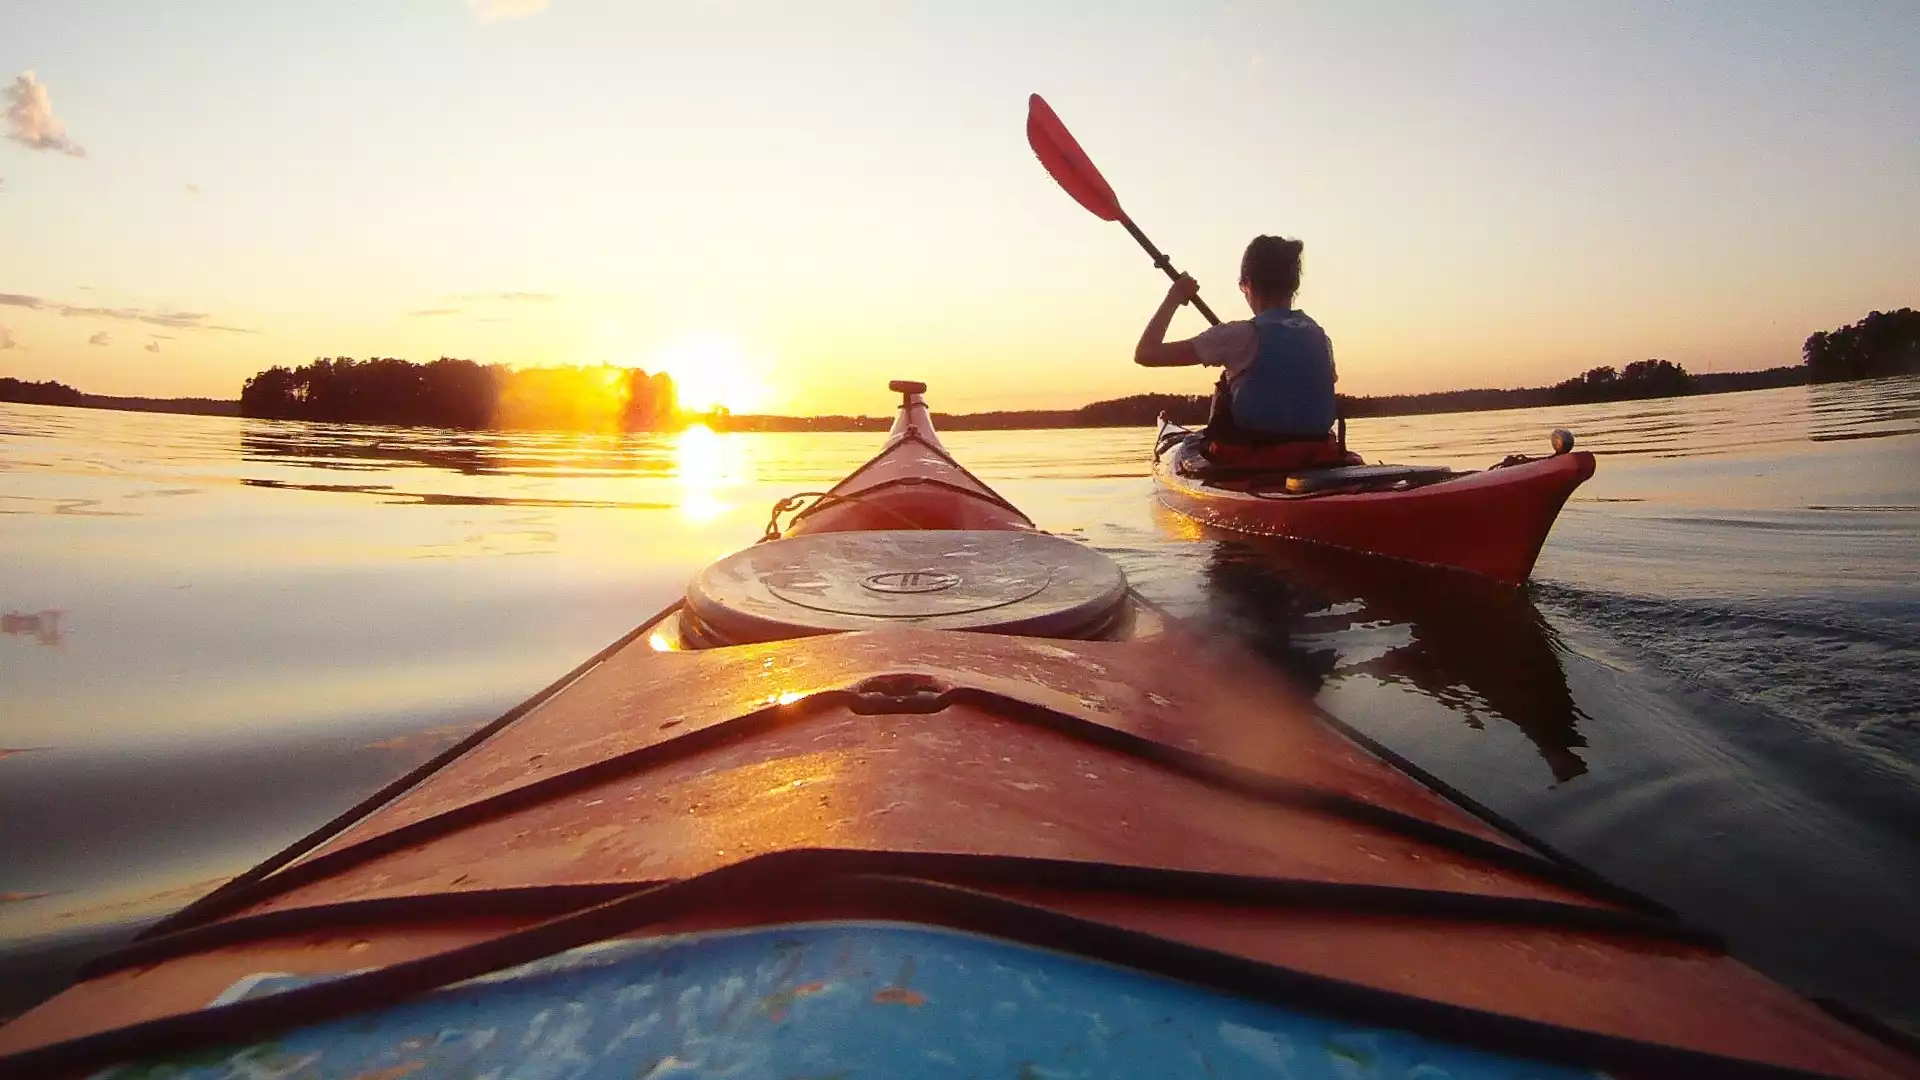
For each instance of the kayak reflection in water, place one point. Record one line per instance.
(1274, 405)
(1485, 653)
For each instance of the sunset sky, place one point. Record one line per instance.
(811, 198)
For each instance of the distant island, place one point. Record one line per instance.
(54, 393)
(463, 394)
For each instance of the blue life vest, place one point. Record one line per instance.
(1289, 388)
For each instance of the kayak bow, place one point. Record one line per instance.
(1492, 523)
(915, 788)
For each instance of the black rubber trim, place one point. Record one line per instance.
(532, 900)
(1869, 1024)
(954, 869)
(1260, 785)
(1591, 881)
(843, 878)
(1184, 762)
(220, 900)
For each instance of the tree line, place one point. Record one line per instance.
(50, 392)
(1883, 343)
(462, 394)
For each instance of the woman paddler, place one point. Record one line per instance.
(1273, 406)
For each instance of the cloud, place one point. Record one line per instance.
(30, 119)
(100, 338)
(7, 342)
(179, 320)
(193, 189)
(490, 11)
(153, 346)
(509, 297)
(429, 312)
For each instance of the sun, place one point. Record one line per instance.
(711, 373)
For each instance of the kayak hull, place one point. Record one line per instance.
(1490, 523)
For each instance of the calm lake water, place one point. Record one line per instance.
(219, 633)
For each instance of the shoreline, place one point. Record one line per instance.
(1130, 412)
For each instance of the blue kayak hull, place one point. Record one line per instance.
(842, 1000)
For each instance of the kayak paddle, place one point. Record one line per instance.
(1069, 165)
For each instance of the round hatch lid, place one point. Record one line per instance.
(998, 582)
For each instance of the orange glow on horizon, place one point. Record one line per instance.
(712, 373)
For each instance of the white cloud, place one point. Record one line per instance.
(488, 11)
(6, 340)
(153, 346)
(100, 338)
(30, 119)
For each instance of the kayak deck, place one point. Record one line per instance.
(1059, 785)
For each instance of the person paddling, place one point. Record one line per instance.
(1274, 404)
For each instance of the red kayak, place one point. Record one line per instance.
(1490, 523)
(913, 788)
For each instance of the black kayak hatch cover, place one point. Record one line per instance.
(933, 579)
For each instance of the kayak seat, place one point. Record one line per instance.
(1278, 456)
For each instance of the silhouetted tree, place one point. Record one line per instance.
(39, 393)
(1640, 379)
(1883, 343)
(461, 394)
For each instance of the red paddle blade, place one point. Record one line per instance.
(1070, 166)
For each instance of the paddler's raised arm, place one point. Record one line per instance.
(1154, 349)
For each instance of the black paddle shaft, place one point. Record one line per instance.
(1166, 266)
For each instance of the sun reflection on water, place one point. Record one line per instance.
(706, 465)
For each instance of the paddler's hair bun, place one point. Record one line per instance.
(1271, 266)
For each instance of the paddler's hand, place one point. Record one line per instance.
(1183, 289)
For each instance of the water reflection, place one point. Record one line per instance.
(706, 464)
(1481, 650)
(357, 448)
(328, 446)
(431, 498)
(41, 626)
(1873, 409)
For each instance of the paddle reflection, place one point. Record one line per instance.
(1481, 650)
